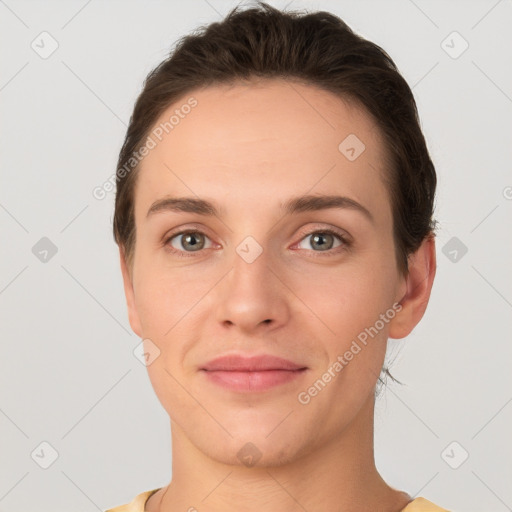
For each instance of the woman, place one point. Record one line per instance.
(274, 215)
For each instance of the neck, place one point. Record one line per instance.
(341, 475)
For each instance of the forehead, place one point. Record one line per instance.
(249, 141)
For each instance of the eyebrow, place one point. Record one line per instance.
(292, 206)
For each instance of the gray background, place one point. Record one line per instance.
(68, 375)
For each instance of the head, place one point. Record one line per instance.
(288, 151)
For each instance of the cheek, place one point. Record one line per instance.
(350, 301)
(165, 297)
(348, 298)
(352, 306)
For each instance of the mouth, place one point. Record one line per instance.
(252, 374)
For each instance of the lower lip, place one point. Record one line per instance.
(253, 381)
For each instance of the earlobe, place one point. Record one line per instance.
(419, 281)
(133, 315)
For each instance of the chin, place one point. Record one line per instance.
(253, 447)
(252, 455)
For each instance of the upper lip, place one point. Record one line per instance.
(265, 362)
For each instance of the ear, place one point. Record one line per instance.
(133, 315)
(416, 288)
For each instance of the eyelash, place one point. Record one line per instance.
(345, 243)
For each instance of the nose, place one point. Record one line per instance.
(252, 297)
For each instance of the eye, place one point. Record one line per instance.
(187, 241)
(323, 240)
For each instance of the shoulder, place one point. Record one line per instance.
(137, 504)
(423, 505)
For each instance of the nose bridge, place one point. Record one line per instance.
(250, 266)
(251, 294)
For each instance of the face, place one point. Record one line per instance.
(265, 274)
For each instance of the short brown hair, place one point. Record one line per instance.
(318, 49)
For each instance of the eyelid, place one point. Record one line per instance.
(187, 228)
(323, 228)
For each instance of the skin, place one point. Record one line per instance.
(248, 148)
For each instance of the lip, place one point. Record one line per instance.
(251, 374)
(264, 362)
